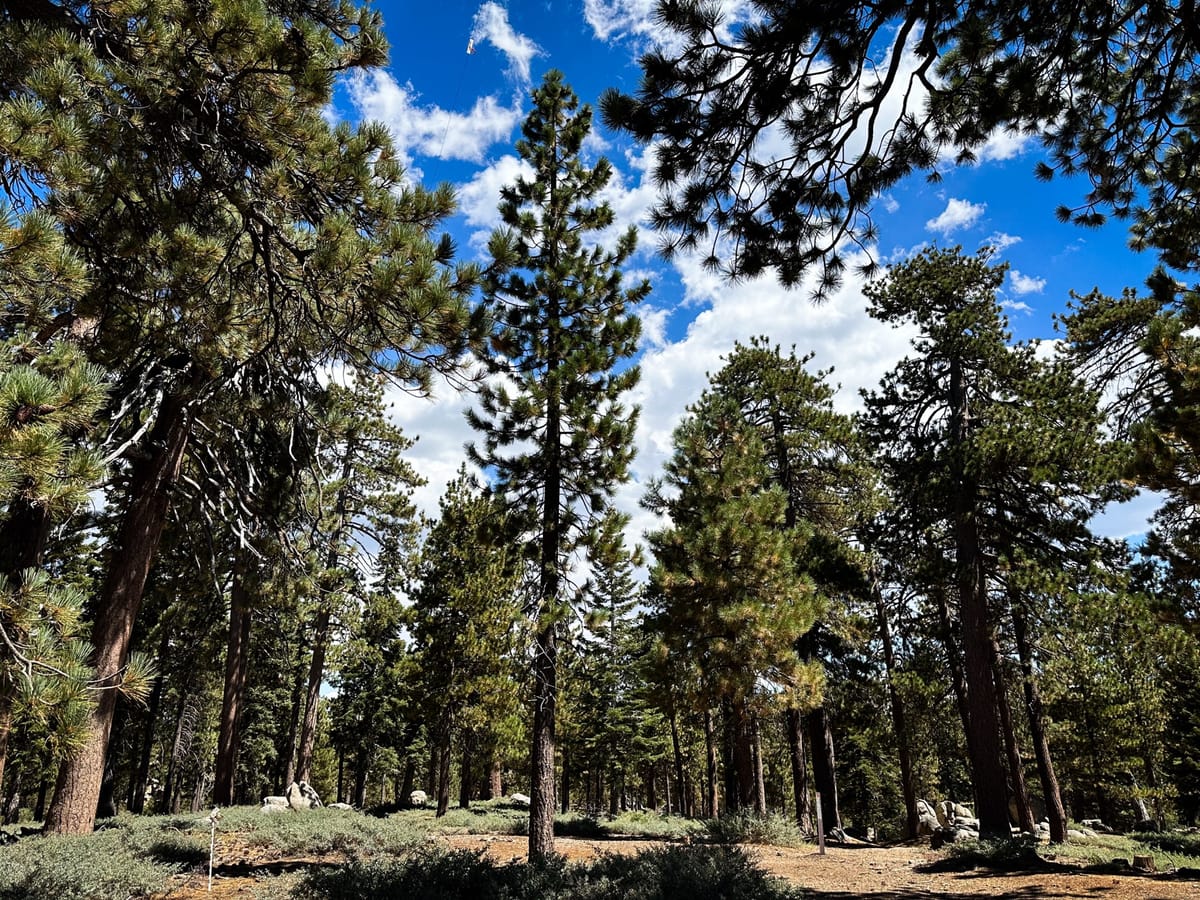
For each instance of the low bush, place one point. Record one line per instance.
(748, 828)
(83, 867)
(653, 826)
(669, 873)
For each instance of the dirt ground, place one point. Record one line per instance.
(861, 872)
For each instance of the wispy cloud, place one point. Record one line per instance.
(1001, 241)
(957, 215)
(491, 25)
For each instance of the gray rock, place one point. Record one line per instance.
(270, 809)
(520, 799)
(1076, 834)
(275, 801)
(966, 822)
(296, 799)
(418, 798)
(945, 813)
(340, 806)
(961, 812)
(927, 824)
(310, 794)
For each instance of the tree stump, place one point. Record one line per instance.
(1145, 862)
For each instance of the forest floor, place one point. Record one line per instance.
(867, 872)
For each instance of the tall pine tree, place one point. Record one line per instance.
(555, 431)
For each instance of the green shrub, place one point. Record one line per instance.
(574, 825)
(747, 828)
(653, 826)
(669, 873)
(1016, 853)
(81, 867)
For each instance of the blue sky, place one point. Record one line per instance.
(455, 117)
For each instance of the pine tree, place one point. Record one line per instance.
(555, 431)
(463, 619)
(993, 459)
(725, 593)
(184, 155)
(1104, 86)
(811, 452)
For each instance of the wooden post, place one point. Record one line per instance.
(820, 827)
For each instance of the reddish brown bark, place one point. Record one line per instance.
(312, 695)
(1056, 813)
(899, 720)
(73, 809)
(820, 742)
(1011, 748)
(237, 667)
(795, 735)
(983, 721)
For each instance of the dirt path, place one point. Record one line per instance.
(862, 873)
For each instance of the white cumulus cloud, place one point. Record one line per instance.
(431, 130)
(957, 215)
(1022, 284)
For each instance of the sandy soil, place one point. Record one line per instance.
(864, 873)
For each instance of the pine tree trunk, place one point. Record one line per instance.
(987, 769)
(287, 771)
(237, 665)
(106, 803)
(565, 796)
(495, 778)
(711, 799)
(12, 799)
(677, 752)
(410, 778)
(760, 786)
(795, 735)
(899, 721)
(362, 763)
(137, 799)
(1011, 748)
(39, 808)
(73, 809)
(169, 787)
(441, 758)
(312, 695)
(465, 775)
(1055, 812)
(820, 740)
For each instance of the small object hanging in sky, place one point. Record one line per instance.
(471, 46)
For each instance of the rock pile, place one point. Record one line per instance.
(300, 796)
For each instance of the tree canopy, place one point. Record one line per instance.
(778, 133)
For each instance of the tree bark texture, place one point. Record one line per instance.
(73, 809)
(899, 721)
(237, 668)
(1011, 748)
(1055, 811)
(542, 783)
(795, 735)
(820, 740)
(712, 800)
(760, 785)
(987, 768)
(312, 694)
